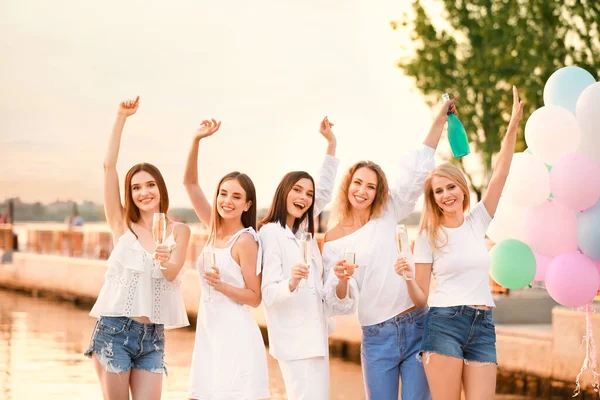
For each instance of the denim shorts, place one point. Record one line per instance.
(462, 332)
(121, 343)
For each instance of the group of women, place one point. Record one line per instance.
(434, 351)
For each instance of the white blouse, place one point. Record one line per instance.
(383, 293)
(135, 287)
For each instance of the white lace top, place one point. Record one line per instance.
(135, 287)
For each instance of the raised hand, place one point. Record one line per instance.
(129, 107)
(325, 130)
(207, 128)
(448, 106)
(517, 108)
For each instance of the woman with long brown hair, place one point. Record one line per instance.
(459, 345)
(368, 211)
(140, 296)
(229, 360)
(297, 314)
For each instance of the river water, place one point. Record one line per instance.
(41, 356)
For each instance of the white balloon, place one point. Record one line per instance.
(588, 116)
(551, 132)
(508, 222)
(528, 182)
(565, 85)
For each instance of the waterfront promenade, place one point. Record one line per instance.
(539, 348)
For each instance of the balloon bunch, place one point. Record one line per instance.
(547, 226)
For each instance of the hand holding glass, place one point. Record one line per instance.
(305, 249)
(208, 261)
(402, 243)
(159, 231)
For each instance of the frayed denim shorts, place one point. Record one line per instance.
(462, 332)
(121, 343)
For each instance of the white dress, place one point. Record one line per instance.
(229, 360)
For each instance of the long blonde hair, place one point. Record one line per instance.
(431, 218)
(382, 193)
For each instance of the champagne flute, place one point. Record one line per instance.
(305, 249)
(350, 258)
(159, 231)
(209, 261)
(402, 244)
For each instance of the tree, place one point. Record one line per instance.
(491, 45)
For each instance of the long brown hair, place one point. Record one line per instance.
(278, 209)
(132, 212)
(248, 217)
(382, 192)
(431, 218)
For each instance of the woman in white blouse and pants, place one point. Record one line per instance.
(296, 313)
(368, 212)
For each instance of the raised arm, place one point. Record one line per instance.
(492, 194)
(416, 166)
(190, 178)
(435, 132)
(324, 189)
(113, 208)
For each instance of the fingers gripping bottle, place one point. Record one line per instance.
(457, 136)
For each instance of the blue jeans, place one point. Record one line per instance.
(389, 351)
(121, 343)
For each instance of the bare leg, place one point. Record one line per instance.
(479, 380)
(146, 385)
(114, 386)
(444, 375)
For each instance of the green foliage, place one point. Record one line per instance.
(491, 45)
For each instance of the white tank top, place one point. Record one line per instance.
(229, 269)
(135, 287)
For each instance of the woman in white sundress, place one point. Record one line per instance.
(229, 360)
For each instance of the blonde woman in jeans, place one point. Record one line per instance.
(459, 345)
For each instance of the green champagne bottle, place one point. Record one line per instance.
(457, 136)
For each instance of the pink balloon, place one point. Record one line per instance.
(575, 181)
(541, 266)
(550, 229)
(572, 279)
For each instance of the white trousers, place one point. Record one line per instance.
(306, 379)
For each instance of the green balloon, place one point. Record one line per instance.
(513, 264)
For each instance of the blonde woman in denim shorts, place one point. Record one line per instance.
(459, 342)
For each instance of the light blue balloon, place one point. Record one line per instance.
(565, 85)
(588, 231)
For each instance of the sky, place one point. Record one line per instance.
(270, 70)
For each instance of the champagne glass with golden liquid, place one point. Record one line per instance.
(159, 231)
(306, 252)
(209, 261)
(402, 244)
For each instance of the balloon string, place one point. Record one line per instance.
(589, 364)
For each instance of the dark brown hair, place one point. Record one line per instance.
(248, 217)
(382, 192)
(278, 210)
(132, 212)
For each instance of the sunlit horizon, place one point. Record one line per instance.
(269, 70)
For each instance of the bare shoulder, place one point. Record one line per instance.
(181, 230)
(334, 233)
(247, 241)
